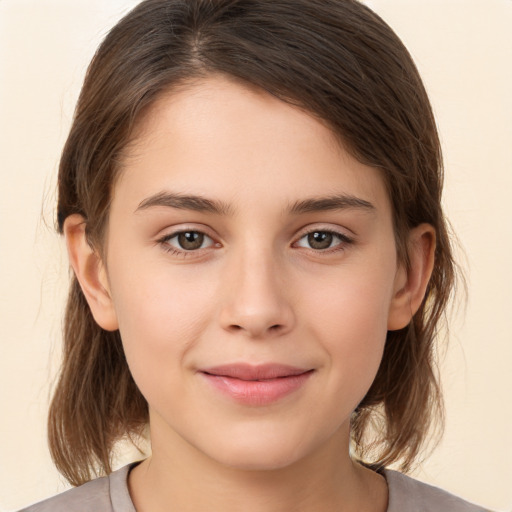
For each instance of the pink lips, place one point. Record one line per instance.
(256, 385)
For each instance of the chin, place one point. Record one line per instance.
(257, 459)
(262, 451)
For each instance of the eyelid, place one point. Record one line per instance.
(340, 233)
(163, 240)
(344, 238)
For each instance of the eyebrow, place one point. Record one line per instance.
(203, 204)
(334, 202)
(185, 202)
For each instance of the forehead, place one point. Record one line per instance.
(220, 138)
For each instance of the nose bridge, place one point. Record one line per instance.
(255, 302)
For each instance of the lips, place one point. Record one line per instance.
(256, 385)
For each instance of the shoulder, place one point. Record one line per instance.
(405, 493)
(106, 494)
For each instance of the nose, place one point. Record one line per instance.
(255, 301)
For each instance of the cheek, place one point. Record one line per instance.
(350, 318)
(155, 297)
(161, 315)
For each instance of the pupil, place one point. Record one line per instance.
(320, 240)
(190, 240)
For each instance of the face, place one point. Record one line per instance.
(252, 269)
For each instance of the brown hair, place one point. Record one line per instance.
(336, 59)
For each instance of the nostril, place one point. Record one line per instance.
(273, 328)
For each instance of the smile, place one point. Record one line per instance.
(256, 385)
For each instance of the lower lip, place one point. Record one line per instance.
(257, 392)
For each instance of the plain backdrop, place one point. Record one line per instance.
(463, 49)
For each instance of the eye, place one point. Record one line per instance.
(187, 241)
(321, 240)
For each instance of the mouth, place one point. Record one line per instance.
(256, 385)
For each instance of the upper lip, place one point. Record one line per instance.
(245, 371)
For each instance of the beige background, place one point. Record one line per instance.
(464, 51)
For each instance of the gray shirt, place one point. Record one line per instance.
(110, 494)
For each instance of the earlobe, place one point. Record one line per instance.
(411, 284)
(90, 272)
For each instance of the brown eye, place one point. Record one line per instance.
(320, 240)
(190, 240)
(186, 241)
(323, 240)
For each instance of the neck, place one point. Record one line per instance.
(181, 478)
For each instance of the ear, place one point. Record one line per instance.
(90, 272)
(411, 284)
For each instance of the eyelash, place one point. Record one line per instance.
(184, 253)
(343, 242)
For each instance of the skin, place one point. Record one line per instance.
(258, 290)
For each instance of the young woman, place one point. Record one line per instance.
(250, 196)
